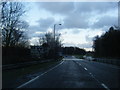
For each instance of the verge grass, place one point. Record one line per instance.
(10, 76)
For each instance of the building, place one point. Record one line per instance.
(39, 51)
(36, 51)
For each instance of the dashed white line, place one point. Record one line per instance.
(99, 82)
(95, 78)
(79, 64)
(85, 68)
(38, 76)
(90, 73)
(105, 86)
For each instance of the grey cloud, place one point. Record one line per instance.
(85, 45)
(83, 12)
(33, 29)
(106, 21)
(76, 31)
(37, 35)
(77, 14)
(73, 7)
(57, 7)
(100, 7)
(76, 21)
(88, 38)
(46, 23)
(68, 44)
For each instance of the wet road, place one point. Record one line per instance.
(77, 73)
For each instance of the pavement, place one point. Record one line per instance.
(77, 73)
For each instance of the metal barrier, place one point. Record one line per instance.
(109, 61)
(104, 60)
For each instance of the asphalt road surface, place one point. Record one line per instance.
(77, 73)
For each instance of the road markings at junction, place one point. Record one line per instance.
(38, 76)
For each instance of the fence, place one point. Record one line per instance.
(104, 60)
(109, 61)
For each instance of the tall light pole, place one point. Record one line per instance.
(54, 38)
(54, 29)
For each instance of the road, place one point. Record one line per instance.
(77, 73)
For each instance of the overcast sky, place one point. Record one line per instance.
(81, 21)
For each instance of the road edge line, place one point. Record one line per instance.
(38, 76)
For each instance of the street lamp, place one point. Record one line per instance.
(54, 29)
(54, 38)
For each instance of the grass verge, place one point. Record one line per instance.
(11, 78)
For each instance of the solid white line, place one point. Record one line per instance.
(85, 68)
(28, 82)
(38, 76)
(105, 86)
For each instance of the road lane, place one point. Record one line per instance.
(105, 73)
(67, 75)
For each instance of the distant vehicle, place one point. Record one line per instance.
(88, 58)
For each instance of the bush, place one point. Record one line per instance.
(11, 55)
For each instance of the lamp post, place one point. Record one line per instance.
(54, 37)
(54, 29)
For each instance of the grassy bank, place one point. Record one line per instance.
(15, 77)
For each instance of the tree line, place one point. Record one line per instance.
(108, 44)
(73, 51)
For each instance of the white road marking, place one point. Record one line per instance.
(38, 76)
(90, 73)
(95, 78)
(85, 68)
(79, 64)
(29, 81)
(105, 86)
(99, 81)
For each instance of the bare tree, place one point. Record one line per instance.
(52, 44)
(12, 25)
(49, 39)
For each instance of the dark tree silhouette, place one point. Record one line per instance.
(53, 45)
(108, 44)
(73, 51)
(12, 25)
